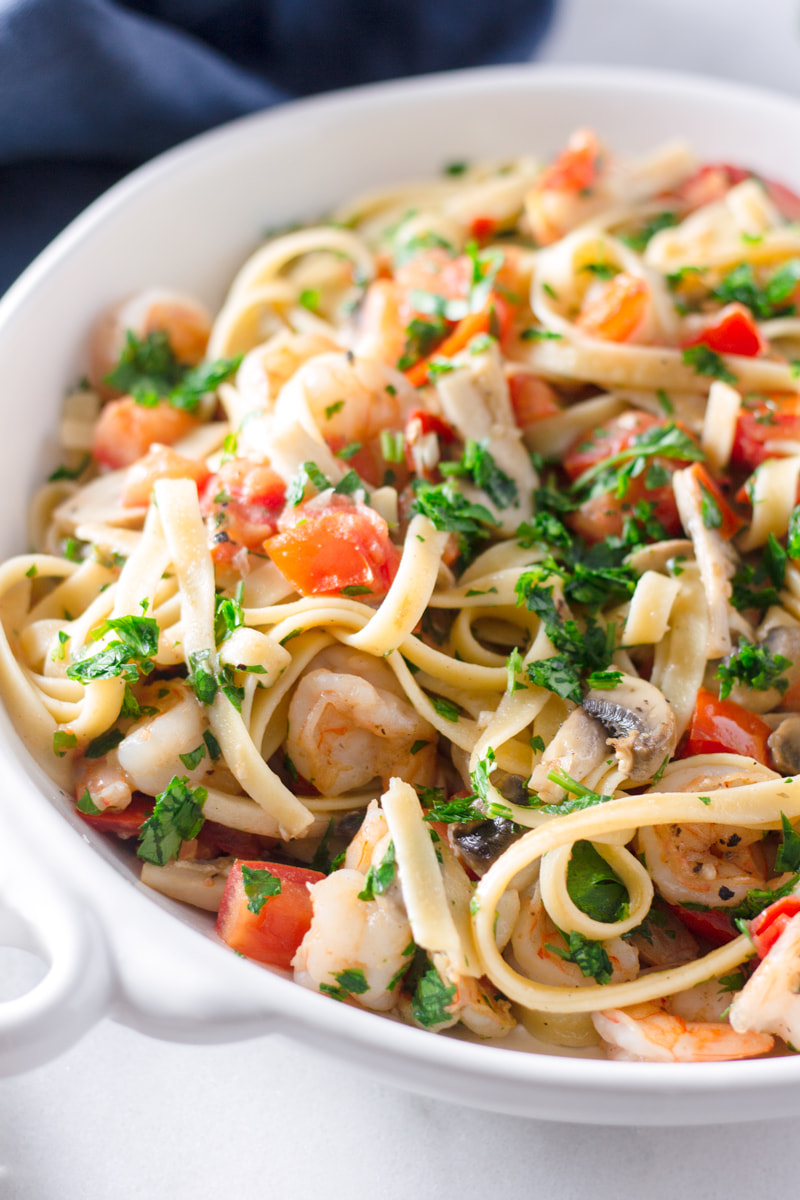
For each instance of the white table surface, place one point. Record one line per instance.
(121, 1116)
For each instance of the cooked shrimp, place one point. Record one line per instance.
(349, 934)
(345, 731)
(148, 754)
(363, 850)
(476, 1003)
(534, 935)
(104, 779)
(647, 1033)
(344, 400)
(710, 864)
(126, 430)
(185, 321)
(266, 368)
(770, 1000)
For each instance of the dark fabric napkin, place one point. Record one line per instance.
(91, 88)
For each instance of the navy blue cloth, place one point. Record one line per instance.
(91, 88)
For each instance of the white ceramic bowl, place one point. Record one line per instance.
(188, 220)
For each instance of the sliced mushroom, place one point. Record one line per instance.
(577, 749)
(479, 845)
(784, 746)
(640, 722)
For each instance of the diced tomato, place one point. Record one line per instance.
(482, 228)
(731, 523)
(772, 419)
(273, 934)
(575, 168)
(531, 398)
(124, 822)
(616, 309)
(713, 180)
(125, 430)
(605, 515)
(607, 440)
(159, 463)
(724, 727)
(710, 182)
(420, 421)
(767, 927)
(334, 549)
(732, 331)
(242, 503)
(715, 925)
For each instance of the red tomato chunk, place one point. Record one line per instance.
(334, 550)
(273, 933)
(723, 727)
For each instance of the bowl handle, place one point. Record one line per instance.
(38, 915)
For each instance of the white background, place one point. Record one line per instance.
(121, 1116)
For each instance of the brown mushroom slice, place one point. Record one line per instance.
(640, 723)
(784, 746)
(577, 749)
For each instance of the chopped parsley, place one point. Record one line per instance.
(446, 708)
(63, 741)
(478, 464)
(260, 885)
(705, 361)
(176, 818)
(613, 474)
(753, 667)
(591, 957)
(194, 757)
(429, 1004)
(448, 510)
(772, 299)
(149, 371)
(87, 805)
(788, 856)
(130, 653)
(379, 879)
(757, 899)
(352, 982)
(422, 336)
(460, 810)
(100, 746)
(228, 614)
(594, 886)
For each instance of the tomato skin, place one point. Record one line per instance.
(272, 935)
(604, 515)
(731, 522)
(532, 399)
(774, 419)
(420, 421)
(124, 822)
(767, 927)
(334, 548)
(253, 499)
(724, 727)
(715, 925)
(732, 331)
